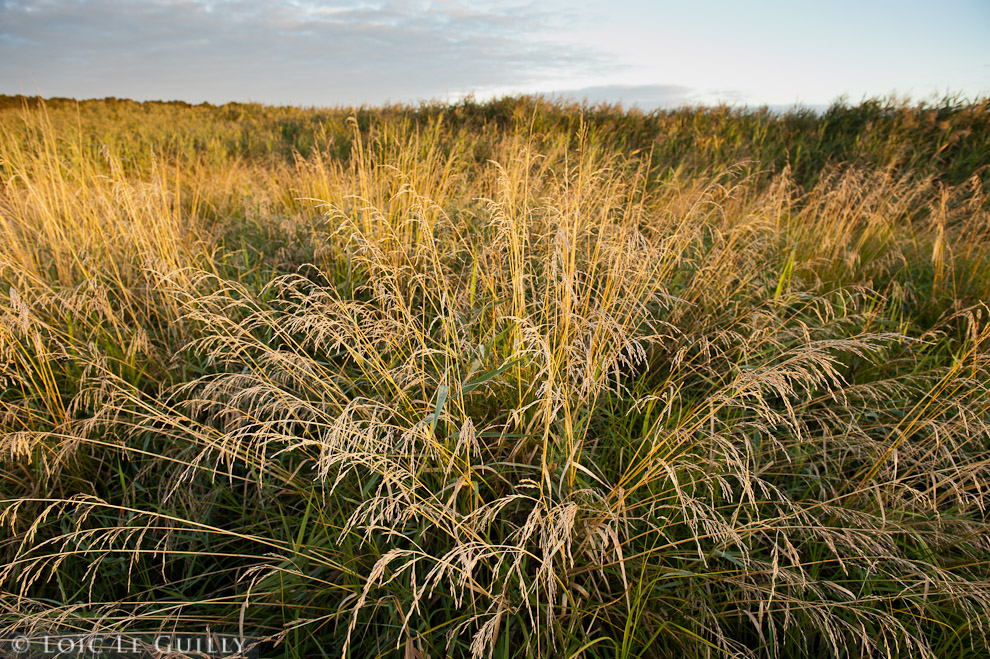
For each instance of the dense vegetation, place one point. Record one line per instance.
(511, 379)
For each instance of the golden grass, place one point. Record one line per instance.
(559, 400)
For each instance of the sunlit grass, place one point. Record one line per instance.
(506, 379)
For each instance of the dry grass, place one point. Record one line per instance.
(557, 400)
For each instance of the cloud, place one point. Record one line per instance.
(645, 97)
(278, 52)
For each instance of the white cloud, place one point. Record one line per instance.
(300, 52)
(645, 97)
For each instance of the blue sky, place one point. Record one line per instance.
(640, 53)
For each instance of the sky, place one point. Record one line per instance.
(637, 52)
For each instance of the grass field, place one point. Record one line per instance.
(508, 379)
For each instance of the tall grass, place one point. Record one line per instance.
(507, 379)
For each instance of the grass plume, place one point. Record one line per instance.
(507, 379)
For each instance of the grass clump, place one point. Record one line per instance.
(506, 379)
